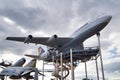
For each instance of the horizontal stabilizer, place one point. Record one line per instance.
(40, 56)
(32, 56)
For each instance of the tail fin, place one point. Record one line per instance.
(40, 52)
(32, 63)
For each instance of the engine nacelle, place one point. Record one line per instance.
(52, 38)
(27, 39)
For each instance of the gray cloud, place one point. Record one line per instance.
(91, 9)
(112, 67)
(26, 17)
(51, 17)
(55, 17)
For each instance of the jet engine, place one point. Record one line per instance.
(52, 38)
(27, 39)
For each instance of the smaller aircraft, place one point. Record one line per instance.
(18, 72)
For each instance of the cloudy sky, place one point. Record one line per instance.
(61, 17)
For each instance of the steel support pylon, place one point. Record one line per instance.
(72, 69)
(86, 70)
(43, 70)
(97, 69)
(61, 66)
(36, 74)
(98, 35)
(57, 64)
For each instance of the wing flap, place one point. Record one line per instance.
(34, 56)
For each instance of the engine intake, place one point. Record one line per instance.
(52, 38)
(27, 39)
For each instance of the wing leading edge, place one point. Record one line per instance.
(60, 41)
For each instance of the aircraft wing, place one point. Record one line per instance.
(42, 40)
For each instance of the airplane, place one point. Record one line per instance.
(64, 44)
(17, 72)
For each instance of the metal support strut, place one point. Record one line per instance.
(56, 64)
(36, 74)
(98, 35)
(97, 69)
(61, 66)
(72, 70)
(43, 70)
(86, 70)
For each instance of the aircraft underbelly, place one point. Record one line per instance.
(77, 42)
(91, 31)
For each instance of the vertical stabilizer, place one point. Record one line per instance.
(40, 51)
(32, 63)
(40, 56)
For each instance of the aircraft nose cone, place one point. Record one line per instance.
(108, 18)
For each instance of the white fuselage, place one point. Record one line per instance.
(80, 35)
(84, 32)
